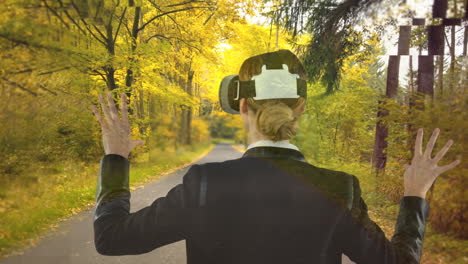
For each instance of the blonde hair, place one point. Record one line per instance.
(276, 119)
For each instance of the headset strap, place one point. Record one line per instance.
(247, 88)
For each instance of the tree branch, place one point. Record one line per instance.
(100, 74)
(78, 25)
(179, 26)
(20, 72)
(99, 32)
(176, 38)
(446, 40)
(86, 24)
(53, 71)
(128, 29)
(120, 23)
(40, 46)
(56, 14)
(157, 36)
(186, 2)
(46, 89)
(19, 86)
(211, 15)
(167, 13)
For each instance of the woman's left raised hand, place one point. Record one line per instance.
(115, 130)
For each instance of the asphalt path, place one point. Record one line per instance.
(72, 242)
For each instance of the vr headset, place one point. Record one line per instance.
(275, 81)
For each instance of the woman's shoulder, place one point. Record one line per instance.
(297, 167)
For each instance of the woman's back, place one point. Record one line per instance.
(271, 207)
(255, 209)
(267, 210)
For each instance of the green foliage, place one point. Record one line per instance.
(219, 126)
(339, 127)
(334, 38)
(449, 113)
(57, 56)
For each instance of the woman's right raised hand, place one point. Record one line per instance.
(423, 170)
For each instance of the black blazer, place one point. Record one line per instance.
(269, 206)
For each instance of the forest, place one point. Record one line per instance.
(377, 70)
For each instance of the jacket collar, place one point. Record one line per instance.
(270, 143)
(274, 152)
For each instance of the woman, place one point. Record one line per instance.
(269, 206)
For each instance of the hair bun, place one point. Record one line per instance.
(276, 120)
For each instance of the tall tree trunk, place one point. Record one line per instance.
(426, 75)
(152, 140)
(141, 109)
(129, 78)
(452, 50)
(186, 111)
(425, 87)
(183, 124)
(440, 80)
(439, 8)
(411, 74)
(435, 40)
(188, 125)
(110, 78)
(183, 113)
(174, 126)
(404, 40)
(379, 158)
(465, 44)
(452, 59)
(465, 39)
(136, 20)
(110, 46)
(426, 63)
(411, 106)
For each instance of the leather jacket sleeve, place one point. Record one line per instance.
(119, 232)
(363, 241)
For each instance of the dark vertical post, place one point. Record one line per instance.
(426, 75)
(439, 9)
(404, 40)
(435, 43)
(379, 158)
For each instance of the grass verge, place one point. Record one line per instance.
(31, 209)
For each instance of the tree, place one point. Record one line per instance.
(381, 131)
(152, 50)
(332, 26)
